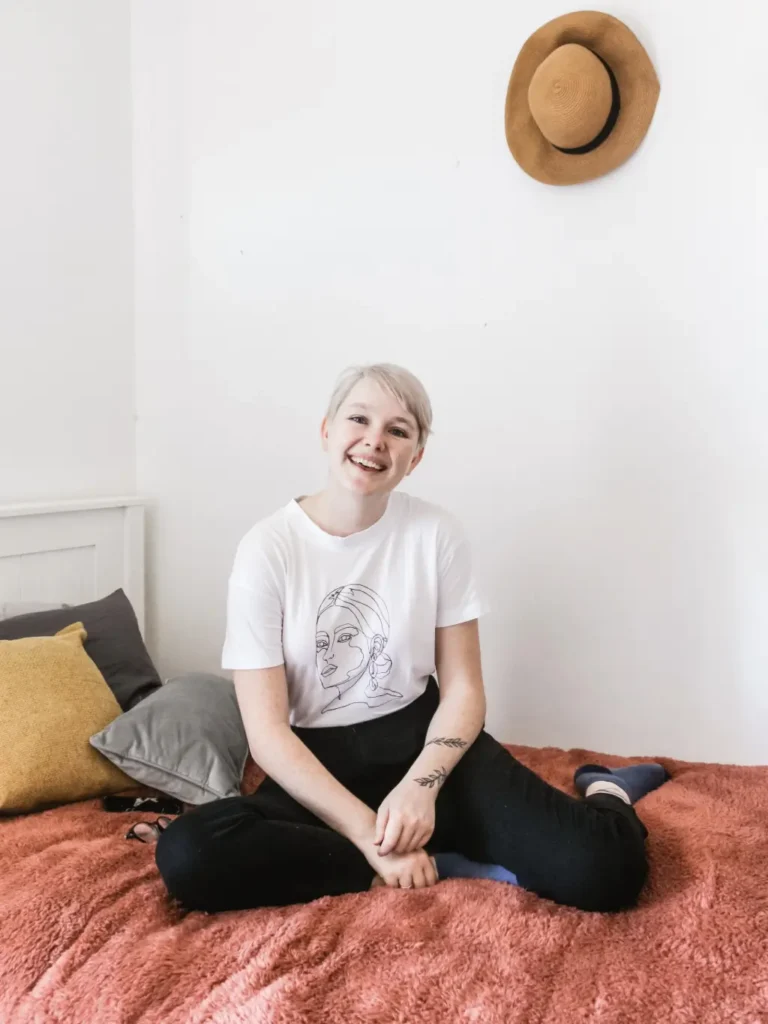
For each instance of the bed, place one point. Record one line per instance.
(88, 935)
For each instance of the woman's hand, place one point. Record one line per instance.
(401, 871)
(406, 819)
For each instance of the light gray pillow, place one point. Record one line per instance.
(185, 739)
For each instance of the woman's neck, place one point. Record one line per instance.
(340, 513)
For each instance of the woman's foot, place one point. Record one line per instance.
(630, 784)
(455, 865)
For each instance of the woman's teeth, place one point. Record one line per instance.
(366, 464)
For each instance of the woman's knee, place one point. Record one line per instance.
(183, 859)
(604, 879)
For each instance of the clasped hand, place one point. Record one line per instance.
(395, 847)
(406, 819)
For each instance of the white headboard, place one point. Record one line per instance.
(69, 552)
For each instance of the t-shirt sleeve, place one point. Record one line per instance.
(254, 637)
(458, 597)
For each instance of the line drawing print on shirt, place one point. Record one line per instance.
(351, 633)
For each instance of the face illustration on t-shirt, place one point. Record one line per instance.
(351, 635)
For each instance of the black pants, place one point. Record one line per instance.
(268, 850)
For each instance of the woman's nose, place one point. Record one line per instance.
(375, 438)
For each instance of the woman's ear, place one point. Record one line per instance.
(324, 433)
(415, 460)
(377, 646)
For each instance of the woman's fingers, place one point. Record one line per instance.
(421, 873)
(391, 836)
(414, 837)
(426, 870)
(408, 840)
(381, 825)
(421, 840)
(412, 840)
(420, 879)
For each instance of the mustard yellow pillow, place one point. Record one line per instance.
(52, 700)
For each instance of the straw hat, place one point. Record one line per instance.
(580, 99)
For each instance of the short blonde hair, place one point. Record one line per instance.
(401, 383)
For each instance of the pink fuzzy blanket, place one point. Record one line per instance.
(87, 935)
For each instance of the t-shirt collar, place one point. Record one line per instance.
(309, 528)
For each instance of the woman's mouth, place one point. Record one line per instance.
(329, 670)
(367, 465)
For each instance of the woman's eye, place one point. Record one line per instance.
(358, 419)
(398, 432)
(344, 638)
(321, 644)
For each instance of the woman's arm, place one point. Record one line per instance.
(262, 695)
(406, 818)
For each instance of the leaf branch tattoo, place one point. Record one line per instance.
(435, 778)
(447, 741)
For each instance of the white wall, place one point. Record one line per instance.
(66, 250)
(321, 184)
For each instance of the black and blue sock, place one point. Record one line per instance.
(634, 781)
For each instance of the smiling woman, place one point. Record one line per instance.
(378, 422)
(342, 607)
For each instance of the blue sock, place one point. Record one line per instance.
(454, 865)
(636, 779)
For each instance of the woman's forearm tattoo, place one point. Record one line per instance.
(447, 741)
(439, 775)
(435, 778)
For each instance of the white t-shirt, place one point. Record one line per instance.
(352, 618)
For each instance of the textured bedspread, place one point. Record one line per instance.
(87, 935)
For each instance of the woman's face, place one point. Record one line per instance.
(342, 651)
(372, 441)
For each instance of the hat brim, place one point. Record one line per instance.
(638, 89)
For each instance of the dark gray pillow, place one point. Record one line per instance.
(186, 739)
(114, 642)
